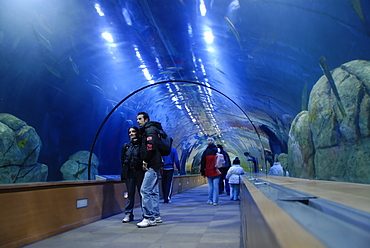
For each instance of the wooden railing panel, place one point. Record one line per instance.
(30, 212)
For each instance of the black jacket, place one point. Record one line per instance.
(130, 159)
(227, 162)
(149, 147)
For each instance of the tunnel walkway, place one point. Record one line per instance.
(187, 222)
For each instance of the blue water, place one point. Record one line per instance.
(66, 64)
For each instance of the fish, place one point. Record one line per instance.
(42, 40)
(73, 43)
(171, 93)
(162, 99)
(175, 68)
(304, 97)
(21, 143)
(112, 102)
(356, 4)
(101, 91)
(234, 31)
(328, 75)
(167, 72)
(217, 81)
(78, 173)
(53, 71)
(96, 79)
(42, 23)
(220, 71)
(74, 66)
(190, 85)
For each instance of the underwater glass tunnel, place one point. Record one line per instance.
(290, 78)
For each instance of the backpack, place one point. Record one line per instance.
(220, 159)
(164, 142)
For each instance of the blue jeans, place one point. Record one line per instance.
(213, 183)
(150, 194)
(235, 192)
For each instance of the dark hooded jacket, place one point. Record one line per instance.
(149, 147)
(130, 159)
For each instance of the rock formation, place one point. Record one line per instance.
(76, 167)
(327, 144)
(20, 147)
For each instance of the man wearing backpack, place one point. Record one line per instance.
(152, 163)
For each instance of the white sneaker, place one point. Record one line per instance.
(158, 219)
(128, 218)
(146, 223)
(209, 202)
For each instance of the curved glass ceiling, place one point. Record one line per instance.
(66, 64)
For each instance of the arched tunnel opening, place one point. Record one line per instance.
(187, 148)
(277, 145)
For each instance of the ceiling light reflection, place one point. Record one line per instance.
(98, 9)
(202, 8)
(208, 36)
(127, 17)
(107, 36)
(143, 66)
(147, 75)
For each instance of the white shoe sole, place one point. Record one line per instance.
(147, 225)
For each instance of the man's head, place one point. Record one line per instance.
(220, 146)
(210, 141)
(142, 118)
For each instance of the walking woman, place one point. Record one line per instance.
(132, 171)
(208, 169)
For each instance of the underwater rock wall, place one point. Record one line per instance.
(283, 159)
(300, 148)
(76, 167)
(20, 147)
(327, 143)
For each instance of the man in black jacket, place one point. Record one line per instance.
(152, 163)
(224, 182)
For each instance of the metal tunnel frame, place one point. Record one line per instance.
(152, 85)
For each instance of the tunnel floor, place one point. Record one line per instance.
(187, 222)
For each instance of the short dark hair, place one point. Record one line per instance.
(220, 146)
(145, 115)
